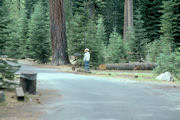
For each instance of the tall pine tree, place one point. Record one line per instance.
(115, 49)
(39, 38)
(13, 39)
(151, 17)
(167, 17)
(100, 40)
(3, 26)
(139, 42)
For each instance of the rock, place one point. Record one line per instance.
(165, 76)
(2, 97)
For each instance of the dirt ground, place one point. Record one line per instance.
(30, 109)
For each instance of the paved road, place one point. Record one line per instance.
(93, 98)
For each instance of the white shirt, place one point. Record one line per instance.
(87, 56)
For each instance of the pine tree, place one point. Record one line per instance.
(100, 40)
(22, 32)
(113, 16)
(91, 43)
(38, 42)
(115, 49)
(13, 40)
(151, 17)
(140, 41)
(29, 7)
(176, 25)
(3, 26)
(166, 25)
(7, 71)
(75, 35)
(170, 26)
(77, 27)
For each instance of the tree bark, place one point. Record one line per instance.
(128, 66)
(128, 16)
(58, 33)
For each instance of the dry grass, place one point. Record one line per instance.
(30, 109)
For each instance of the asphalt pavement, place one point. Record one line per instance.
(95, 98)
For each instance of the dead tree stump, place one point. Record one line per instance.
(28, 82)
(2, 97)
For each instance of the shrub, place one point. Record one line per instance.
(7, 71)
(169, 63)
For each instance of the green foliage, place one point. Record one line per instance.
(113, 14)
(22, 33)
(100, 40)
(91, 43)
(7, 71)
(38, 41)
(12, 42)
(136, 39)
(167, 43)
(169, 23)
(169, 59)
(3, 26)
(176, 24)
(169, 62)
(115, 49)
(151, 17)
(140, 40)
(90, 23)
(81, 36)
(16, 44)
(153, 50)
(29, 6)
(75, 35)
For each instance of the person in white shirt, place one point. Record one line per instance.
(86, 59)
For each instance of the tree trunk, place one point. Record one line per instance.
(128, 16)
(58, 33)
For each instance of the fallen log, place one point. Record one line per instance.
(128, 66)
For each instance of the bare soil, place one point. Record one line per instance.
(30, 109)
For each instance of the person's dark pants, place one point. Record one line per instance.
(86, 65)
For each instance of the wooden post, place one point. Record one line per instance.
(28, 82)
(2, 97)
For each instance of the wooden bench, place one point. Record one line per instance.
(20, 94)
(28, 82)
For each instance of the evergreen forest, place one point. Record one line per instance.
(97, 25)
